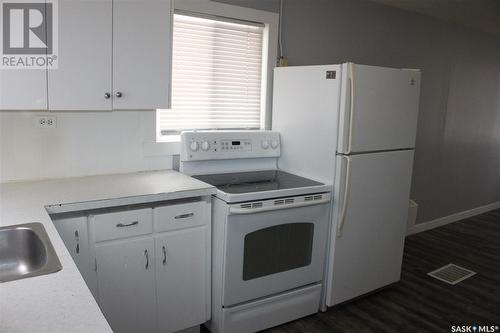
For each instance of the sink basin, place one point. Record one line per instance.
(26, 251)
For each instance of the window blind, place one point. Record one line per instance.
(216, 75)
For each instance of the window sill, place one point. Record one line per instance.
(162, 148)
(168, 138)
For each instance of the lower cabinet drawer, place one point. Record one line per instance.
(123, 224)
(180, 216)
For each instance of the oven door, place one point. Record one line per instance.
(273, 251)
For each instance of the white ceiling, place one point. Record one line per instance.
(483, 15)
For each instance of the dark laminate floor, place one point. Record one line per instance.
(419, 303)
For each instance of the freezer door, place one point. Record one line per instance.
(305, 113)
(379, 108)
(369, 223)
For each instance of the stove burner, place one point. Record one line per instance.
(256, 181)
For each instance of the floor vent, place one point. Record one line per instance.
(451, 274)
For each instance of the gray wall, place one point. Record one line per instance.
(457, 160)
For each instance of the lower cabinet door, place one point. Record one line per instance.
(181, 277)
(74, 233)
(126, 282)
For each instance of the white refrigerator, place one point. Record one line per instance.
(353, 126)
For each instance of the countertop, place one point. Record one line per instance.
(61, 302)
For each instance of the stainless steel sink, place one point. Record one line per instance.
(26, 251)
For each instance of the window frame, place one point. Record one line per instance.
(270, 20)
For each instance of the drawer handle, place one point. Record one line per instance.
(121, 225)
(164, 249)
(184, 216)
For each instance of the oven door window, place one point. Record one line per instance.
(277, 249)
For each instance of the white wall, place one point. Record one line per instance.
(84, 143)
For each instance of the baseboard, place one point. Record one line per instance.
(452, 218)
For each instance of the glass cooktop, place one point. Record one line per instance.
(256, 181)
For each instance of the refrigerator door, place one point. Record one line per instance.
(378, 109)
(369, 223)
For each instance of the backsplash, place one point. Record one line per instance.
(83, 143)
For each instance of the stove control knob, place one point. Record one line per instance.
(274, 144)
(265, 144)
(205, 145)
(194, 146)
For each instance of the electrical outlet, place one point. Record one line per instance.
(51, 121)
(40, 122)
(46, 122)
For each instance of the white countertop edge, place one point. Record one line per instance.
(133, 200)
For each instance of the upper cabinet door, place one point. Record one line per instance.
(142, 34)
(22, 87)
(82, 80)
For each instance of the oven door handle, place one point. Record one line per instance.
(242, 211)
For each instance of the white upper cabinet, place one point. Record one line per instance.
(23, 89)
(142, 32)
(83, 76)
(113, 54)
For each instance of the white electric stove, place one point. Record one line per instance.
(269, 230)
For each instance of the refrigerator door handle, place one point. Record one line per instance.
(347, 185)
(351, 107)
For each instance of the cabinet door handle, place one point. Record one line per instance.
(184, 216)
(77, 238)
(164, 249)
(119, 94)
(107, 95)
(122, 225)
(147, 259)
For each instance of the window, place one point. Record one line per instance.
(217, 75)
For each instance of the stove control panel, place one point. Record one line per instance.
(219, 145)
(236, 145)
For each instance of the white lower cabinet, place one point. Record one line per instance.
(74, 233)
(126, 282)
(152, 266)
(181, 272)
